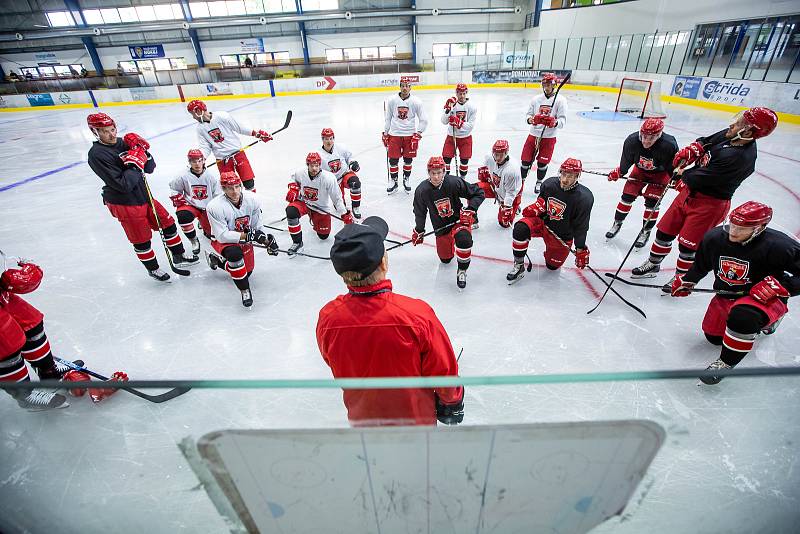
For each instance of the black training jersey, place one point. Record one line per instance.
(123, 183)
(444, 202)
(738, 267)
(723, 167)
(567, 211)
(657, 158)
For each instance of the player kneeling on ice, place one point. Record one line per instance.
(440, 196)
(121, 164)
(190, 194)
(500, 179)
(372, 332)
(651, 152)
(459, 116)
(311, 192)
(235, 218)
(339, 161)
(761, 263)
(559, 216)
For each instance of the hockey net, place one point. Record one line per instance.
(640, 97)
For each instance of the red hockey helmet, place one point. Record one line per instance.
(195, 153)
(229, 178)
(572, 165)
(751, 214)
(196, 105)
(23, 280)
(651, 127)
(436, 162)
(761, 120)
(99, 120)
(549, 77)
(327, 132)
(313, 157)
(461, 88)
(501, 145)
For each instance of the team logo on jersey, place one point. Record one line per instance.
(402, 112)
(334, 165)
(496, 180)
(311, 193)
(555, 209)
(216, 135)
(545, 110)
(242, 224)
(443, 208)
(200, 192)
(733, 271)
(462, 115)
(646, 164)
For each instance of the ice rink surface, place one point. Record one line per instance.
(729, 464)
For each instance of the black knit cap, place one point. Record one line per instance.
(359, 247)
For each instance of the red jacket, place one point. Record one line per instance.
(372, 332)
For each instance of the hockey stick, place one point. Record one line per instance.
(723, 292)
(608, 286)
(285, 125)
(259, 245)
(176, 270)
(171, 394)
(555, 97)
(386, 149)
(426, 234)
(320, 210)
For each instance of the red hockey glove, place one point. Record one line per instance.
(506, 216)
(536, 209)
(680, 288)
(135, 140)
(347, 218)
(293, 193)
(261, 135)
(550, 121)
(135, 156)
(385, 138)
(455, 121)
(484, 175)
(448, 105)
(690, 153)
(767, 289)
(466, 217)
(178, 200)
(614, 175)
(76, 376)
(582, 258)
(417, 237)
(98, 394)
(414, 145)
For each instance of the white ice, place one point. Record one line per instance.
(728, 464)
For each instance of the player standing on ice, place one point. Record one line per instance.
(722, 162)
(235, 218)
(440, 196)
(499, 178)
(121, 164)
(545, 115)
(459, 114)
(217, 133)
(566, 205)
(190, 194)
(338, 160)
(761, 263)
(311, 192)
(651, 152)
(404, 123)
(373, 332)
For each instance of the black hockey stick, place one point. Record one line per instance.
(426, 234)
(176, 270)
(171, 394)
(282, 128)
(555, 96)
(259, 245)
(320, 210)
(723, 292)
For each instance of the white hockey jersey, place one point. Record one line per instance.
(506, 179)
(541, 102)
(320, 191)
(468, 112)
(337, 161)
(219, 135)
(228, 221)
(198, 190)
(402, 115)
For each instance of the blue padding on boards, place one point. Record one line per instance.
(271, 89)
(94, 101)
(598, 115)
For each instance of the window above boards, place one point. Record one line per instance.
(259, 59)
(364, 53)
(467, 49)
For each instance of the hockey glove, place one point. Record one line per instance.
(614, 175)
(98, 394)
(690, 154)
(537, 209)
(582, 258)
(484, 175)
(466, 217)
(506, 216)
(136, 141)
(385, 139)
(681, 288)
(414, 145)
(455, 121)
(272, 245)
(76, 376)
(448, 105)
(178, 200)
(261, 135)
(347, 218)
(449, 414)
(136, 157)
(767, 289)
(251, 235)
(417, 237)
(293, 193)
(354, 166)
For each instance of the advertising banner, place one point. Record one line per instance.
(686, 86)
(143, 93)
(514, 76)
(734, 92)
(519, 60)
(43, 99)
(251, 45)
(218, 89)
(45, 57)
(146, 51)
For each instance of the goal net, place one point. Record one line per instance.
(640, 97)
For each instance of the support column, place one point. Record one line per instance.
(303, 38)
(537, 13)
(414, 34)
(88, 43)
(195, 40)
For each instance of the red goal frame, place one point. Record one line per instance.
(647, 97)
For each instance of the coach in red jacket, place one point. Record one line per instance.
(373, 332)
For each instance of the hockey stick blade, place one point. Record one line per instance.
(158, 399)
(608, 286)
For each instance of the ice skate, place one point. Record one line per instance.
(646, 270)
(356, 212)
(768, 331)
(407, 184)
(247, 298)
(642, 238)
(182, 260)
(38, 400)
(614, 230)
(195, 246)
(667, 288)
(392, 187)
(294, 249)
(711, 380)
(537, 187)
(516, 273)
(213, 261)
(159, 275)
(461, 278)
(57, 371)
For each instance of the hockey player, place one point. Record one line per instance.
(722, 162)
(235, 218)
(747, 257)
(459, 115)
(373, 332)
(311, 192)
(121, 164)
(404, 123)
(440, 196)
(499, 178)
(564, 207)
(217, 133)
(545, 115)
(190, 194)
(651, 152)
(338, 160)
